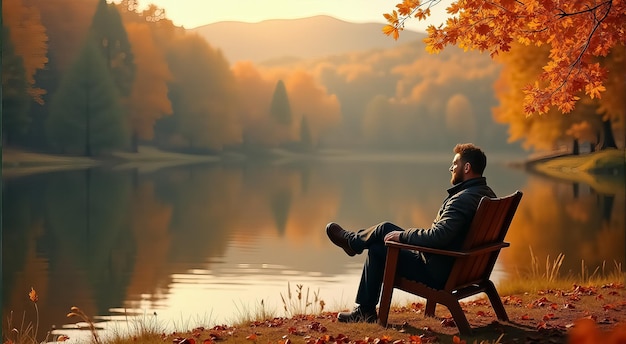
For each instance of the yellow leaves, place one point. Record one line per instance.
(392, 18)
(394, 26)
(422, 14)
(32, 295)
(390, 30)
(594, 90)
(407, 6)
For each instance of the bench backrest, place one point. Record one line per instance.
(490, 225)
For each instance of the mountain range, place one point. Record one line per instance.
(304, 38)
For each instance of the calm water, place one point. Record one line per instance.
(206, 244)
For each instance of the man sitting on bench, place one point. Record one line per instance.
(447, 231)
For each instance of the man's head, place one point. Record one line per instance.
(469, 162)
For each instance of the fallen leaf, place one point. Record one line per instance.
(448, 322)
(457, 340)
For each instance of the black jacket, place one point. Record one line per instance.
(450, 227)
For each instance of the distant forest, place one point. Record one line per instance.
(88, 78)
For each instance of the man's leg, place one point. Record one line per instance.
(368, 295)
(410, 265)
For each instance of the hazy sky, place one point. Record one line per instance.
(193, 13)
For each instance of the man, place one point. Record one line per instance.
(447, 231)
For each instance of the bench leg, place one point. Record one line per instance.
(459, 318)
(430, 308)
(496, 302)
(388, 284)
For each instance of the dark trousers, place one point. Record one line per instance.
(410, 263)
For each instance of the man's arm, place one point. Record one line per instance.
(453, 223)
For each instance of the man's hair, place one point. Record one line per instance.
(472, 154)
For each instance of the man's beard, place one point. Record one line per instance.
(456, 179)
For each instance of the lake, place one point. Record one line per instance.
(207, 244)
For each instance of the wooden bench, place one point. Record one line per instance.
(472, 267)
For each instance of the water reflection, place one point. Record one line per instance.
(206, 243)
(585, 222)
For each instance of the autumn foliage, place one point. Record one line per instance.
(577, 32)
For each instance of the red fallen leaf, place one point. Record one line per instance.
(480, 314)
(599, 297)
(415, 339)
(208, 341)
(548, 316)
(608, 306)
(448, 322)
(252, 337)
(569, 306)
(554, 306)
(542, 325)
(342, 338)
(613, 293)
(457, 340)
(525, 317)
(62, 338)
(592, 317)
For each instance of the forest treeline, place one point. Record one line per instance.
(89, 77)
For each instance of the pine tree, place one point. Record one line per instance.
(85, 112)
(112, 40)
(280, 109)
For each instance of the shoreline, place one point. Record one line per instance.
(606, 164)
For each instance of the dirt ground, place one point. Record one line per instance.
(580, 315)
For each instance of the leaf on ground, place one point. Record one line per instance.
(448, 322)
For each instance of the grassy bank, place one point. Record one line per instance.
(550, 310)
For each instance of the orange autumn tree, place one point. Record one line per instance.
(149, 94)
(29, 40)
(577, 32)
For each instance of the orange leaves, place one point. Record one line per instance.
(457, 340)
(29, 38)
(577, 31)
(407, 6)
(390, 30)
(392, 18)
(32, 295)
(483, 29)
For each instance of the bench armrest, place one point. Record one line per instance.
(472, 252)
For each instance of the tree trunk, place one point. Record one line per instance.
(87, 126)
(134, 142)
(608, 140)
(576, 147)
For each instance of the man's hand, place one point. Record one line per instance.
(395, 236)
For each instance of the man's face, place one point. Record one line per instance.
(456, 169)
